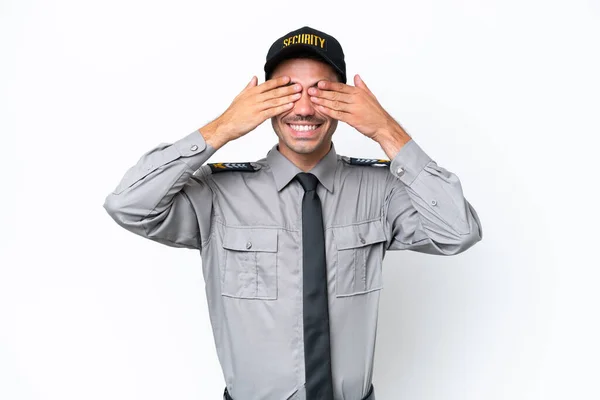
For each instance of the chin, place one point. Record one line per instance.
(302, 146)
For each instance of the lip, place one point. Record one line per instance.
(304, 134)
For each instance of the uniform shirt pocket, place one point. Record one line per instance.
(359, 258)
(250, 266)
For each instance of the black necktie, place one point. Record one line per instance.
(317, 354)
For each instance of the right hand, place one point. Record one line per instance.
(254, 105)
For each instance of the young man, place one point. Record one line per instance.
(292, 245)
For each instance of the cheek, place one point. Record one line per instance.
(332, 122)
(277, 125)
(277, 120)
(328, 120)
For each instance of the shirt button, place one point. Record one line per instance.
(362, 240)
(400, 171)
(433, 202)
(194, 148)
(249, 245)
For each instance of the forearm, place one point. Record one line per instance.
(147, 200)
(392, 138)
(428, 211)
(214, 133)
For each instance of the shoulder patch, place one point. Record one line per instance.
(243, 167)
(371, 162)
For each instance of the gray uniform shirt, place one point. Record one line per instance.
(248, 229)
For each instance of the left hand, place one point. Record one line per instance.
(354, 105)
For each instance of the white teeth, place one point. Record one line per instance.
(303, 128)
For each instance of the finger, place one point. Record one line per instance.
(252, 82)
(271, 112)
(281, 100)
(279, 92)
(273, 83)
(331, 104)
(336, 87)
(358, 82)
(250, 85)
(339, 115)
(330, 95)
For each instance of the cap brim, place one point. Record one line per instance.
(289, 52)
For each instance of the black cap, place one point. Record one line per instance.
(307, 40)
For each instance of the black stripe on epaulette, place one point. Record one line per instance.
(243, 167)
(372, 162)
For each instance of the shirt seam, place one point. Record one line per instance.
(355, 223)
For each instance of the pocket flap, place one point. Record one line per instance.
(358, 235)
(250, 239)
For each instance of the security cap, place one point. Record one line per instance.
(307, 40)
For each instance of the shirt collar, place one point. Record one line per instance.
(284, 170)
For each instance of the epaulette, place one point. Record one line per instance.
(372, 162)
(243, 167)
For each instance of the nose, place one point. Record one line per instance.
(303, 106)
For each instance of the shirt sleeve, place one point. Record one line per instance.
(425, 210)
(153, 198)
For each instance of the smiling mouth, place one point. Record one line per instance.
(304, 128)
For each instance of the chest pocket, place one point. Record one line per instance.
(359, 258)
(249, 270)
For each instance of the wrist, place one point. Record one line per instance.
(392, 138)
(213, 134)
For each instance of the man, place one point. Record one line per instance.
(292, 245)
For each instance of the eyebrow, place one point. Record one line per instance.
(313, 85)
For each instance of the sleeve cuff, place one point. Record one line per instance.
(409, 162)
(194, 150)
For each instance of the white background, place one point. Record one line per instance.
(503, 93)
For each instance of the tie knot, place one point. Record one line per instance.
(307, 180)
